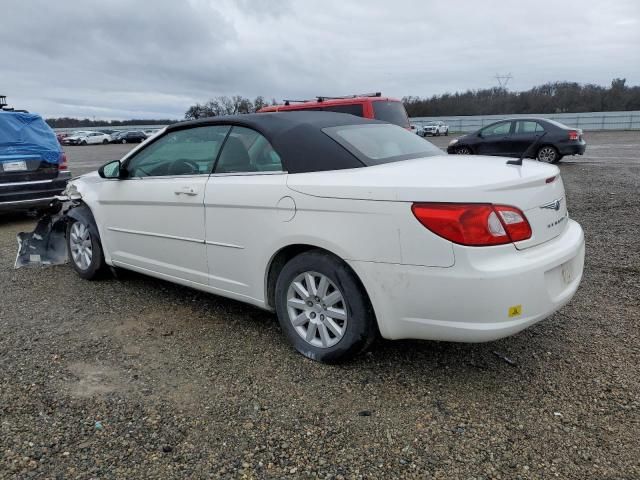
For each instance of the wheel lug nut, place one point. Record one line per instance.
(313, 315)
(322, 317)
(310, 303)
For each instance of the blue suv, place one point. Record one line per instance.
(33, 167)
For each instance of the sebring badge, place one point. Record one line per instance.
(555, 205)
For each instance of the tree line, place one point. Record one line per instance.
(67, 122)
(556, 97)
(223, 105)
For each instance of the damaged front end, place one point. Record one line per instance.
(47, 245)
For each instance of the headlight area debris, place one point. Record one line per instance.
(46, 245)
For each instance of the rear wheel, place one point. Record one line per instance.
(446, 132)
(105, 141)
(124, 140)
(548, 154)
(83, 142)
(464, 151)
(85, 250)
(323, 309)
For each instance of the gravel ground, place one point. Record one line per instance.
(138, 378)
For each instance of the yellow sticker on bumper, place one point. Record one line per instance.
(515, 311)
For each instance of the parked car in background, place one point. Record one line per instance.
(516, 136)
(61, 136)
(95, 138)
(130, 136)
(372, 105)
(74, 138)
(151, 132)
(346, 227)
(33, 168)
(434, 129)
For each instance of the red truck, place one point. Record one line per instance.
(370, 105)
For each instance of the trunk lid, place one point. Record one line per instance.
(454, 178)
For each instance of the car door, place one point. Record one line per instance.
(495, 139)
(153, 220)
(246, 202)
(525, 134)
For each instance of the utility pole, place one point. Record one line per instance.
(503, 80)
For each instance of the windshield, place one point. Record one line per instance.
(374, 144)
(392, 112)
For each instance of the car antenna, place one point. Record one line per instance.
(533, 144)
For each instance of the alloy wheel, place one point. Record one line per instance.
(547, 154)
(463, 151)
(80, 245)
(317, 309)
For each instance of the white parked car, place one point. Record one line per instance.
(346, 227)
(434, 129)
(95, 138)
(76, 137)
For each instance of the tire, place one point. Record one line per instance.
(548, 154)
(82, 244)
(463, 150)
(446, 132)
(331, 339)
(105, 141)
(83, 142)
(437, 134)
(123, 141)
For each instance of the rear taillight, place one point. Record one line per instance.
(573, 135)
(474, 224)
(63, 162)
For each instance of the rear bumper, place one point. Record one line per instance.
(29, 195)
(490, 292)
(572, 149)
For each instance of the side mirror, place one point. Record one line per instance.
(110, 170)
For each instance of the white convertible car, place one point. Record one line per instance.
(348, 228)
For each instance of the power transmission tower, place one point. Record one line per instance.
(503, 80)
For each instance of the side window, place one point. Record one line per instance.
(183, 152)
(247, 151)
(353, 109)
(498, 129)
(528, 126)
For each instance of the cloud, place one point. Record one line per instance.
(123, 59)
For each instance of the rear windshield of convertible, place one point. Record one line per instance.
(374, 144)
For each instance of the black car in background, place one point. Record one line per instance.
(33, 167)
(512, 137)
(130, 136)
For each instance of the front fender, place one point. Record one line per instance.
(82, 213)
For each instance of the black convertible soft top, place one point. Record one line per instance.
(296, 136)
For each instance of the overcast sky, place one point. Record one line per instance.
(117, 59)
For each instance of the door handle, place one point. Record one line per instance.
(191, 191)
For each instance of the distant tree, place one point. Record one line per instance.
(259, 103)
(67, 122)
(224, 105)
(548, 98)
